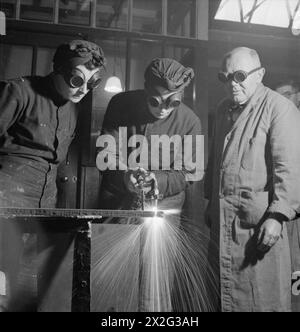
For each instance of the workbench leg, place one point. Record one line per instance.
(81, 292)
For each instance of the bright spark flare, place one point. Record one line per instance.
(163, 265)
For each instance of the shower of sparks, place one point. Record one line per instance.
(115, 264)
(156, 266)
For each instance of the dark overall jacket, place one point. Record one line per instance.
(129, 110)
(36, 129)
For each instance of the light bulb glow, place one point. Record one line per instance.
(113, 84)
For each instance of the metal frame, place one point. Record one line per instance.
(56, 12)
(18, 9)
(93, 13)
(164, 30)
(245, 25)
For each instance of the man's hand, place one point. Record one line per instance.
(269, 234)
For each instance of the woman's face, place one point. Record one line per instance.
(166, 105)
(74, 94)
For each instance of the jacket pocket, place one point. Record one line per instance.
(252, 208)
(254, 151)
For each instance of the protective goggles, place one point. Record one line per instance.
(238, 76)
(172, 101)
(76, 79)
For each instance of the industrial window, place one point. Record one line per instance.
(275, 13)
(38, 10)
(147, 16)
(77, 12)
(181, 18)
(112, 14)
(162, 17)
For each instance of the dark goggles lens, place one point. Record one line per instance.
(238, 76)
(154, 101)
(170, 102)
(77, 80)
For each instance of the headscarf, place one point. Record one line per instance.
(167, 73)
(78, 52)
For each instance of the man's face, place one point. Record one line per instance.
(241, 92)
(75, 94)
(289, 92)
(167, 99)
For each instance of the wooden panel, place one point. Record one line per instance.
(90, 187)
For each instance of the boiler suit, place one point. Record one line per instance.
(253, 171)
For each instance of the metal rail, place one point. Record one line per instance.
(9, 212)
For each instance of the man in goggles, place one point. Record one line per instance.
(253, 188)
(241, 78)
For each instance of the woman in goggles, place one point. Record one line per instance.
(238, 76)
(76, 82)
(170, 102)
(162, 104)
(76, 69)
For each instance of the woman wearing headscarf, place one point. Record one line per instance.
(37, 123)
(156, 110)
(149, 169)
